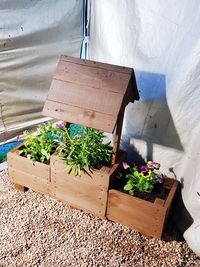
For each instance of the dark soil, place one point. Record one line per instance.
(159, 191)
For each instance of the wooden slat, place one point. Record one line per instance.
(85, 97)
(85, 192)
(94, 77)
(18, 162)
(170, 197)
(159, 201)
(136, 213)
(103, 171)
(117, 137)
(79, 194)
(95, 64)
(81, 116)
(35, 182)
(95, 178)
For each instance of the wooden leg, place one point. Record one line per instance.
(20, 187)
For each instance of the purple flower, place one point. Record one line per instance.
(144, 169)
(18, 137)
(59, 124)
(125, 165)
(156, 165)
(153, 165)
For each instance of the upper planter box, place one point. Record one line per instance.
(90, 93)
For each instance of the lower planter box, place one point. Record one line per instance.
(86, 192)
(144, 216)
(24, 174)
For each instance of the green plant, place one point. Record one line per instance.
(143, 180)
(41, 144)
(85, 151)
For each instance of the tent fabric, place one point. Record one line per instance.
(161, 41)
(33, 34)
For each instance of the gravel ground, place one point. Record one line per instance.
(38, 231)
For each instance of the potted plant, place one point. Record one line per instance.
(80, 172)
(29, 163)
(141, 199)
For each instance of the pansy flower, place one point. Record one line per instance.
(153, 165)
(144, 168)
(156, 165)
(146, 174)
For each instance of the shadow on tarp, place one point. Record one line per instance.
(179, 219)
(150, 119)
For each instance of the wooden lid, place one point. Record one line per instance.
(90, 93)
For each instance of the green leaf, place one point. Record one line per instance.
(68, 169)
(44, 152)
(128, 187)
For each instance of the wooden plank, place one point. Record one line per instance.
(117, 136)
(18, 162)
(79, 194)
(136, 213)
(28, 180)
(159, 201)
(96, 177)
(95, 64)
(172, 192)
(60, 164)
(101, 121)
(94, 77)
(85, 97)
(85, 192)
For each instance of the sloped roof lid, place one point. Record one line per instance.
(89, 93)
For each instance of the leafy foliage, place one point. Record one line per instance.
(39, 146)
(85, 150)
(143, 180)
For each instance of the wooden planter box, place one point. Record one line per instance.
(144, 216)
(24, 174)
(92, 94)
(85, 192)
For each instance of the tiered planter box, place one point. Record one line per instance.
(144, 216)
(87, 191)
(24, 174)
(92, 94)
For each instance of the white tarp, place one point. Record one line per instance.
(161, 41)
(33, 34)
